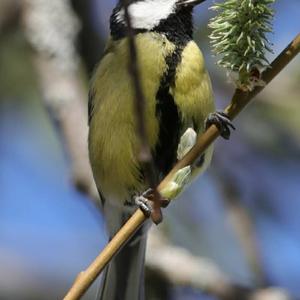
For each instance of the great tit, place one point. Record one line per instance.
(178, 96)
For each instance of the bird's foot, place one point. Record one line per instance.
(144, 203)
(222, 121)
(150, 202)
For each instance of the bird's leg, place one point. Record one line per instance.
(222, 121)
(151, 204)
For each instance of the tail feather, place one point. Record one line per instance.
(123, 278)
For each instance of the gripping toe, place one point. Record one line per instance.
(222, 121)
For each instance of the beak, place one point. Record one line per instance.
(186, 3)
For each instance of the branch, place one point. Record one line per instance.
(243, 228)
(199, 273)
(10, 11)
(239, 101)
(139, 98)
(145, 157)
(63, 92)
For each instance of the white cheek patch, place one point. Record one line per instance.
(147, 14)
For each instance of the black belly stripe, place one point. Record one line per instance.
(168, 115)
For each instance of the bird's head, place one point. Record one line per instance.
(147, 15)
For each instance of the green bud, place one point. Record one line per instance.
(187, 141)
(177, 183)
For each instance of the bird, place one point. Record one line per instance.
(178, 95)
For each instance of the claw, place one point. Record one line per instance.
(222, 121)
(144, 204)
(150, 205)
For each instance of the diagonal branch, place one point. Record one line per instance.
(239, 101)
(145, 157)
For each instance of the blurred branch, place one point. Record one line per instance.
(239, 100)
(90, 43)
(51, 29)
(244, 229)
(9, 14)
(195, 272)
(241, 222)
(199, 273)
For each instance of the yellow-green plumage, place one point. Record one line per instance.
(113, 142)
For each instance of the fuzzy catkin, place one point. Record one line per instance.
(239, 38)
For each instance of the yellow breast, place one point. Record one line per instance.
(193, 92)
(113, 143)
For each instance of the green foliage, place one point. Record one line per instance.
(239, 38)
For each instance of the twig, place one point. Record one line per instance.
(139, 98)
(145, 156)
(239, 101)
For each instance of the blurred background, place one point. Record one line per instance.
(239, 222)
